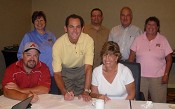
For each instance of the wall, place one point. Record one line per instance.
(15, 17)
(14, 22)
(58, 10)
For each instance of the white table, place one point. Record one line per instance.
(48, 101)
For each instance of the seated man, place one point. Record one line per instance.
(27, 76)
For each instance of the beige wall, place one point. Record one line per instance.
(15, 15)
(14, 22)
(58, 10)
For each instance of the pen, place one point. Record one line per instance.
(130, 104)
(68, 92)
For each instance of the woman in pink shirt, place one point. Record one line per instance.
(153, 52)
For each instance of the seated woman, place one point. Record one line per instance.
(112, 80)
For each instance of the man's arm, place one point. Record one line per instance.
(60, 83)
(14, 94)
(88, 76)
(87, 84)
(37, 90)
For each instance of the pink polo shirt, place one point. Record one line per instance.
(151, 54)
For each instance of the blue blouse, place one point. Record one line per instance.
(45, 43)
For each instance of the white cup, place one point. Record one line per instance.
(99, 104)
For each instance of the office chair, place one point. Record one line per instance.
(10, 57)
(136, 71)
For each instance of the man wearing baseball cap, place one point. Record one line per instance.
(27, 76)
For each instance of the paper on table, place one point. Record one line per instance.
(7, 103)
(148, 105)
(48, 101)
(80, 102)
(58, 102)
(117, 104)
(76, 104)
(72, 106)
(4, 104)
(172, 106)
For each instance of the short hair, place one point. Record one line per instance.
(97, 9)
(37, 14)
(74, 16)
(128, 8)
(155, 19)
(111, 47)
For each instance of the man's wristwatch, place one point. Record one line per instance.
(87, 91)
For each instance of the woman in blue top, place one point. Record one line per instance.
(44, 40)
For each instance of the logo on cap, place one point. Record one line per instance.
(31, 45)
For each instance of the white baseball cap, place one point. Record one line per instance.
(31, 45)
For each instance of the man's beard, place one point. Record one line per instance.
(31, 64)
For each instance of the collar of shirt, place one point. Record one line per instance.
(42, 36)
(145, 37)
(101, 27)
(126, 27)
(80, 39)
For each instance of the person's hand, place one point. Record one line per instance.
(85, 96)
(69, 96)
(12, 85)
(104, 97)
(165, 79)
(35, 97)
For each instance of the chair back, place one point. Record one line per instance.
(136, 71)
